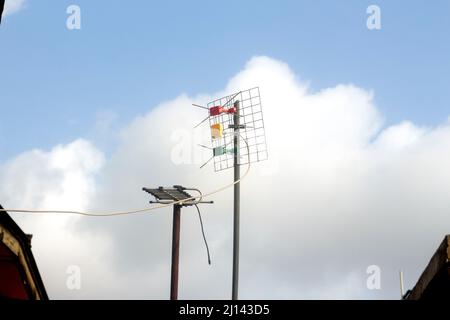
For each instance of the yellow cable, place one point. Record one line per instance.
(122, 213)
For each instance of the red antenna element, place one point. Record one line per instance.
(218, 110)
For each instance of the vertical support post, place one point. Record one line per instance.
(402, 289)
(175, 252)
(236, 207)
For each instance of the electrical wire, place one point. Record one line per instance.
(122, 213)
(201, 220)
(203, 233)
(200, 197)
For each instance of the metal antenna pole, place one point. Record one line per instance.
(175, 252)
(237, 200)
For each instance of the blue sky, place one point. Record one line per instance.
(129, 57)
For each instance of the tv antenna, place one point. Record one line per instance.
(180, 198)
(231, 118)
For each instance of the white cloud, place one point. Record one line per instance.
(338, 193)
(13, 6)
(400, 136)
(60, 177)
(64, 178)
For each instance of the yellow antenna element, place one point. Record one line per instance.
(217, 131)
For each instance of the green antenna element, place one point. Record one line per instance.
(220, 151)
